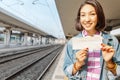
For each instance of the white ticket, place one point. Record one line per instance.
(91, 42)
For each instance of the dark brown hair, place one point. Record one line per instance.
(100, 15)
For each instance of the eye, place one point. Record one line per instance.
(93, 14)
(82, 15)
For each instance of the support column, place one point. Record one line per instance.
(7, 33)
(35, 41)
(33, 38)
(41, 40)
(25, 38)
(46, 40)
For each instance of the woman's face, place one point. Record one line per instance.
(88, 17)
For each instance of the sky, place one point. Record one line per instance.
(41, 13)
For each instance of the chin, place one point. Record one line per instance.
(88, 29)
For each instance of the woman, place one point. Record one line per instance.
(104, 64)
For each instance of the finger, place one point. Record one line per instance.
(103, 45)
(83, 55)
(111, 50)
(105, 49)
(108, 49)
(82, 58)
(82, 51)
(86, 49)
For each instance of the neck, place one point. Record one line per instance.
(91, 33)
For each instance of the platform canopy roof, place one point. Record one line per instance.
(37, 16)
(41, 16)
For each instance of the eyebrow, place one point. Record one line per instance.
(90, 11)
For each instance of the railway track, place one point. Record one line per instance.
(23, 67)
(4, 57)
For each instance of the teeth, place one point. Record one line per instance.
(88, 24)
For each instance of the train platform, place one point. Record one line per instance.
(58, 73)
(55, 72)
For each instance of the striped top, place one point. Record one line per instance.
(93, 70)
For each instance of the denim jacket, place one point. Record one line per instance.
(105, 74)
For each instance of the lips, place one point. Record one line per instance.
(88, 25)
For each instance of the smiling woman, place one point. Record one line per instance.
(89, 57)
(88, 18)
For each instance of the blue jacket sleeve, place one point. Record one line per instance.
(116, 59)
(68, 60)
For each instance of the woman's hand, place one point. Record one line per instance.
(81, 56)
(107, 52)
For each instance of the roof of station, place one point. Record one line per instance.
(39, 16)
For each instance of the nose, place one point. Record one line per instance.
(87, 18)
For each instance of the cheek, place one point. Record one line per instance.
(81, 21)
(95, 20)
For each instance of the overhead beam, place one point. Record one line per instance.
(14, 21)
